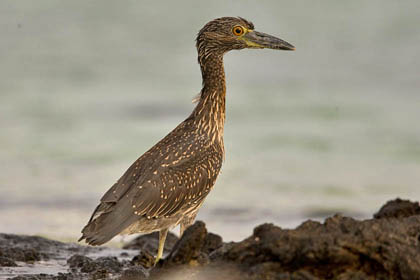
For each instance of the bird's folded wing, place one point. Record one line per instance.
(180, 185)
(175, 187)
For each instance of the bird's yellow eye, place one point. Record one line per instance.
(238, 30)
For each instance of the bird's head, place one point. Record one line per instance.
(230, 33)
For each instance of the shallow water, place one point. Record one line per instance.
(58, 264)
(86, 88)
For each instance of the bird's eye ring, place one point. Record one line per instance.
(238, 30)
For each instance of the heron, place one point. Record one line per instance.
(167, 185)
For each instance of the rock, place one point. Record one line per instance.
(101, 266)
(221, 251)
(150, 242)
(212, 243)
(25, 241)
(35, 248)
(134, 273)
(83, 263)
(144, 259)
(110, 264)
(380, 249)
(26, 277)
(189, 248)
(124, 254)
(60, 276)
(398, 208)
(341, 248)
(297, 275)
(22, 255)
(5, 261)
(353, 275)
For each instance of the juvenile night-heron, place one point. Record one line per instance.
(167, 185)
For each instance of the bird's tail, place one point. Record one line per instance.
(106, 222)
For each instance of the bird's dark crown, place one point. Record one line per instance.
(218, 37)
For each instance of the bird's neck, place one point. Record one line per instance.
(209, 114)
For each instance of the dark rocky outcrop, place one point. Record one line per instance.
(342, 248)
(398, 208)
(189, 249)
(87, 265)
(144, 259)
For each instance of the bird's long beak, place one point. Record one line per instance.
(255, 39)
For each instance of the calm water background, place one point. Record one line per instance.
(87, 86)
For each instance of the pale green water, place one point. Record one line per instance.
(87, 87)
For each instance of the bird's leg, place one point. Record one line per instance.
(182, 228)
(162, 237)
(185, 223)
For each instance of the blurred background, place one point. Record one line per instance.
(88, 86)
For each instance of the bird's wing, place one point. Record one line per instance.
(177, 186)
(166, 151)
(158, 184)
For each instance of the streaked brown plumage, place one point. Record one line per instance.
(167, 185)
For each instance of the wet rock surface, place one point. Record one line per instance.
(342, 248)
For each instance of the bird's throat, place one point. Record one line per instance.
(209, 114)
